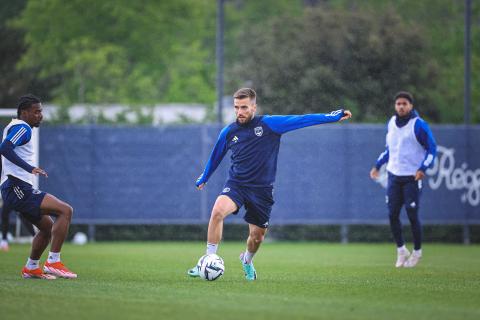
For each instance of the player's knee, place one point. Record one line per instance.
(257, 237)
(67, 211)
(217, 214)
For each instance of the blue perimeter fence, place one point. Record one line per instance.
(146, 175)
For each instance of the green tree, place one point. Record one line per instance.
(121, 51)
(327, 57)
(14, 82)
(442, 23)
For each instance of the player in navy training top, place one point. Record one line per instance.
(254, 143)
(18, 154)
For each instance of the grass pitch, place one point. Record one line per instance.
(296, 281)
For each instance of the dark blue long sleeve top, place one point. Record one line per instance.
(255, 146)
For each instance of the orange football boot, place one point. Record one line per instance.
(58, 269)
(36, 274)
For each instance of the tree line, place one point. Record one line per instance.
(301, 56)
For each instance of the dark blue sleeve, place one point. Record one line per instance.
(6, 150)
(425, 138)
(19, 134)
(382, 159)
(284, 124)
(216, 157)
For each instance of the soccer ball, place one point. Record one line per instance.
(80, 238)
(210, 267)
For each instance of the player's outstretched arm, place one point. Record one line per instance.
(284, 124)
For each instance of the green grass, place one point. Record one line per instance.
(296, 281)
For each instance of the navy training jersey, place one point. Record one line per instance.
(255, 146)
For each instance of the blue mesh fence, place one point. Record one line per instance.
(145, 175)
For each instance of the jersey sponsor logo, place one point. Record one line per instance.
(235, 139)
(225, 190)
(258, 131)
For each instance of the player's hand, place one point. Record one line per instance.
(199, 183)
(374, 174)
(347, 115)
(40, 172)
(419, 175)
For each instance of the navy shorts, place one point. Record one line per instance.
(20, 196)
(258, 202)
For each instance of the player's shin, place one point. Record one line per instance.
(59, 232)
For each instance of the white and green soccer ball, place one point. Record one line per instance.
(210, 267)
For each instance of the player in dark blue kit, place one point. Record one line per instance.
(254, 142)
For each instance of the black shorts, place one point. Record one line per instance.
(258, 202)
(20, 196)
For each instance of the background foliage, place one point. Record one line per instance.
(301, 56)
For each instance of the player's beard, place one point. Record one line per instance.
(245, 120)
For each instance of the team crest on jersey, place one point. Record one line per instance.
(258, 131)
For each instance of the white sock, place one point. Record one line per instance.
(248, 257)
(53, 257)
(402, 249)
(418, 252)
(32, 264)
(212, 248)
